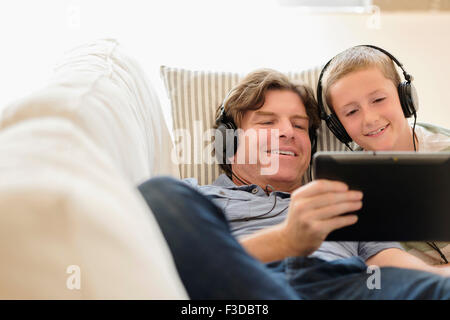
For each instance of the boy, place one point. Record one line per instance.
(363, 90)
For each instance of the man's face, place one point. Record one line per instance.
(276, 136)
(368, 106)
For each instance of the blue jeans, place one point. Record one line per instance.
(213, 265)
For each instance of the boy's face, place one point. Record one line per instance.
(276, 137)
(368, 106)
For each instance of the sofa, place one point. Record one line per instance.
(72, 223)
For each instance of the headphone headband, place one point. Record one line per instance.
(407, 76)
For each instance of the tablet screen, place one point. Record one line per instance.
(406, 194)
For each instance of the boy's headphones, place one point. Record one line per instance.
(227, 130)
(406, 92)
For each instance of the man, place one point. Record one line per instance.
(278, 220)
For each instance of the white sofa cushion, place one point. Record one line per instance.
(105, 93)
(63, 203)
(70, 157)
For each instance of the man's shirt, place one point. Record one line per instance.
(250, 201)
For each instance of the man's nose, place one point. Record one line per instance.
(286, 130)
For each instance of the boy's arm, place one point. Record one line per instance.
(394, 257)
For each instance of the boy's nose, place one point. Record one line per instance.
(371, 118)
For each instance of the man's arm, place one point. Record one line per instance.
(267, 245)
(314, 211)
(394, 257)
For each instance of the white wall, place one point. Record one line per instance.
(230, 35)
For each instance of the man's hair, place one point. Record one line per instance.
(356, 59)
(250, 94)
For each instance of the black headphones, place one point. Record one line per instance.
(406, 92)
(227, 130)
(226, 133)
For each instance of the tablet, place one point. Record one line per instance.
(406, 194)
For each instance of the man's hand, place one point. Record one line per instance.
(315, 210)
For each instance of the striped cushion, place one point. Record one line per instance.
(194, 98)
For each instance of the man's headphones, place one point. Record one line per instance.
(227, 130)
(406, 92)
(226, 133)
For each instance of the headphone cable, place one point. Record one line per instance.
(433, 245)
(261, 216)
(243, 182)
(348, 146)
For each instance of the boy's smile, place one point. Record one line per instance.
(378, 132)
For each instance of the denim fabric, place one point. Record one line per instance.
(213, 265)
(348, 279)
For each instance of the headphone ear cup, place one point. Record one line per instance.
(225, 140)
(231, 139)
(408, 98)
(337, 128)
(220, 143)
(313, 139)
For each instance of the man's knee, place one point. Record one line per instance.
(167, 191)
(182, 200)
(158, 183)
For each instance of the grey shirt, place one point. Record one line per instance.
(241, 202)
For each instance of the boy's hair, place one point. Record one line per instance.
(356, 59)
(250, 93)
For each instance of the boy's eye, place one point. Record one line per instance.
(379, 100)
(267, 122)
